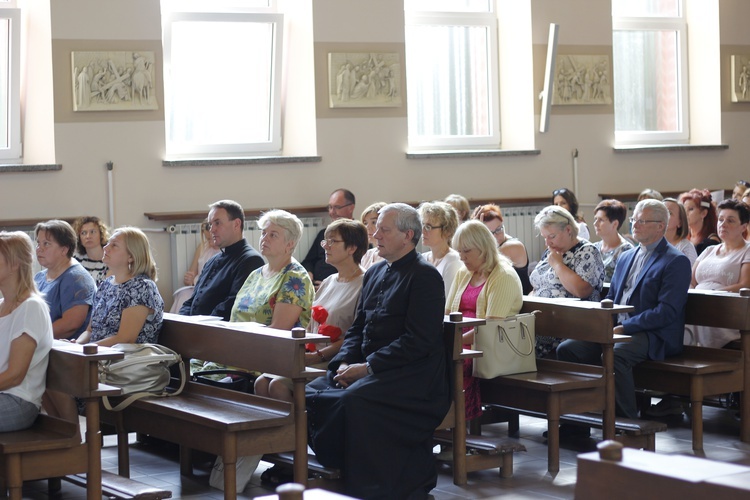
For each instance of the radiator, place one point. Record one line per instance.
(185, 238)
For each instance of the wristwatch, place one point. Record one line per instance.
(369, 368)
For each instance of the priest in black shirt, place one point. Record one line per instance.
(226, 272)
(374, 413)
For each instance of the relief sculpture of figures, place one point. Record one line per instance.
(582, 80)
(105, 81)
(741, 78)
(364, 80)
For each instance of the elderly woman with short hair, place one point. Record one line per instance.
(280, 293)
(570, 267)
(439, 223)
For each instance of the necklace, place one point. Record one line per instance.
(347, 279)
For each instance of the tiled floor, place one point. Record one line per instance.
(158, 465)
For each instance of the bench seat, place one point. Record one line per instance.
(484, 452)
(47, 433)
(697, 372)
(556, 388)
(114, 486)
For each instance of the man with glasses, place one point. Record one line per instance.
(340, 206)
(226, 272)
(654, 277)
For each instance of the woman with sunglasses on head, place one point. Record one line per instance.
(739, 189)
(566, 198)
(510, 247)
(570, 267)
(439, 223)
(702, 217)
(204, 251)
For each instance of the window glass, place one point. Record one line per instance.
(646, 81)
(222, 83)
(448, 5)
(646, 8)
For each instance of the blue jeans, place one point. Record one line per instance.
(627, 355)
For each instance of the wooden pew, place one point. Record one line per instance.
(491, 453)
(219, 421)
(557, 387)
(637, 474)
(52, 447)
(702, 371)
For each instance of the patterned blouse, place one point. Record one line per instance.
(112, 299)
(259, 295)
(584, 258)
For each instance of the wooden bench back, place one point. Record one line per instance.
(72, 372)
(573, 319)
(241, 345)
(726, 310)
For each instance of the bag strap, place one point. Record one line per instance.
(515, 349)
(140, 395)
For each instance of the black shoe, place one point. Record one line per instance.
(277, 475)
(568, 430)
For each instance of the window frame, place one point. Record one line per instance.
(472, 19)
(14, 150)
(223, 14)
(654, 24)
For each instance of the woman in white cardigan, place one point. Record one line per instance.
(486, 286)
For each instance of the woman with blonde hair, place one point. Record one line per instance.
(369, 218)
(461, 204)
(486, 286)
(127, 307)
(439, 223)
(25, 335)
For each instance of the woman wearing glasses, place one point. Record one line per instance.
(439, 223)
(608, 218)
(204, 251)
(701, 213)
(570, 267)
(510, 247)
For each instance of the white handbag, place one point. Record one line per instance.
(508, 346)
(144, 371)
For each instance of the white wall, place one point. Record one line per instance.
(363, 154)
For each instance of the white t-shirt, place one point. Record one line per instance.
(448, 266)
(32, 318)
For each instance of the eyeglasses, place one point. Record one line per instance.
(336, 208)
(499, 229)
(744, 183)
(558, 192)
(641, 222)
(328, 242)
(206, 226)
(428, 227)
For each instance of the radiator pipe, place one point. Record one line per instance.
(110, 192)
(574, 154)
